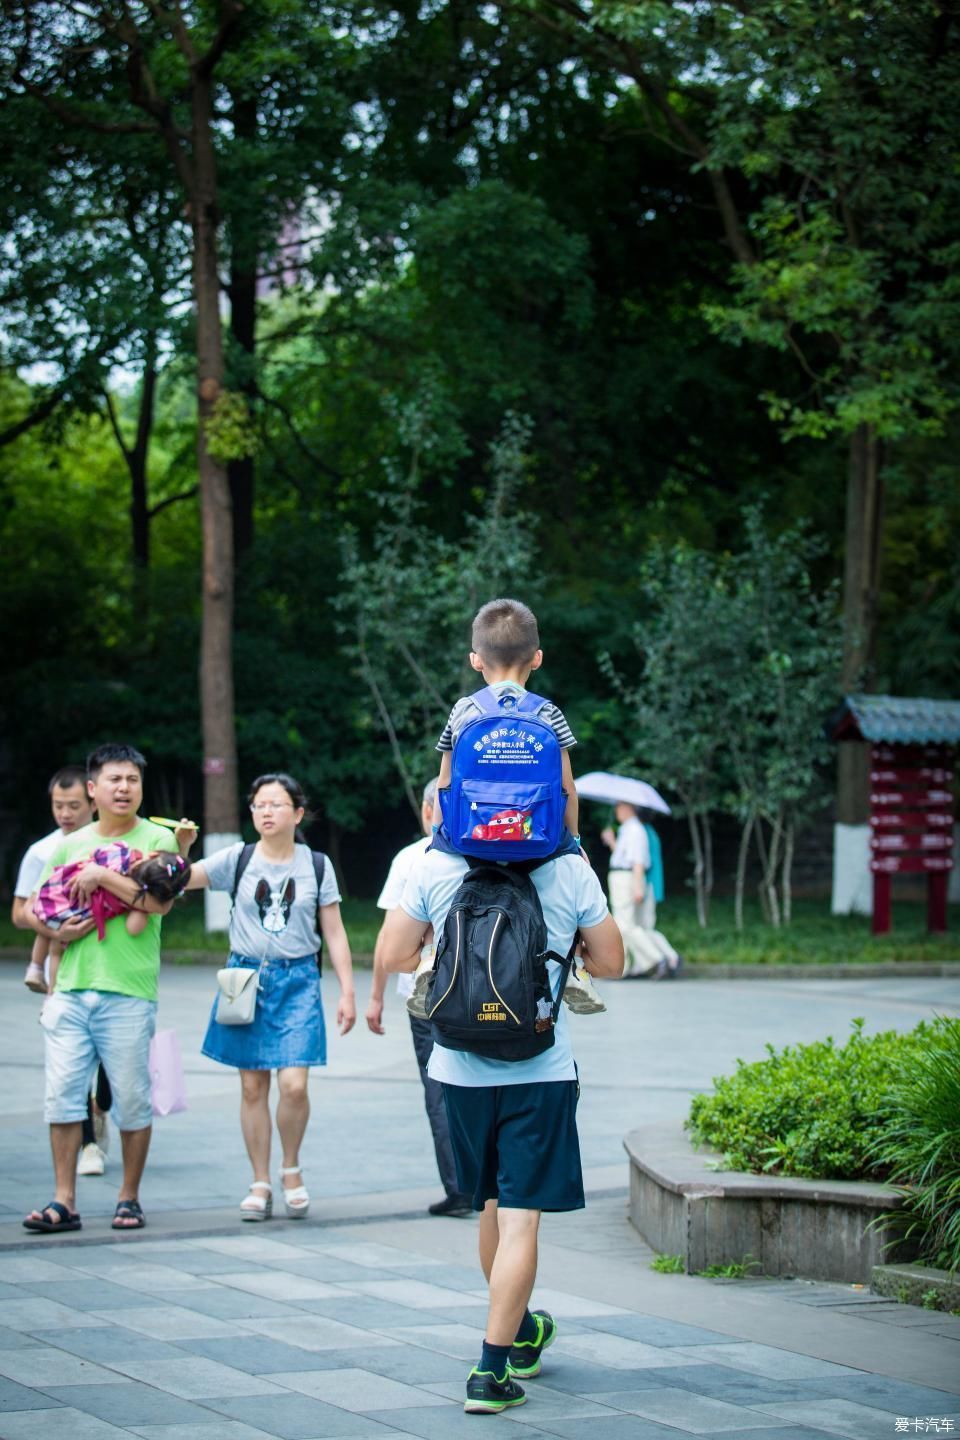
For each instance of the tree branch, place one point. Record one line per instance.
(155, 510)
(230, 12)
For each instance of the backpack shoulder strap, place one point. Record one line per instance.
(243, 860)
(532, 704)
(486, 701)
(319, 865)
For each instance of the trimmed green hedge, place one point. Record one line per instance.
(814, 1110)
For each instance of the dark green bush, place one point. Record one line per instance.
(812, 1110)
(919, 1145)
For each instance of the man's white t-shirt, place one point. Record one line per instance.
(571, 897)
(632, 847)
(34, 863)
(392, 893)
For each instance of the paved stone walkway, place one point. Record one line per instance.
(363, 1320)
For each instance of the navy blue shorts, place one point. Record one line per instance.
(517, 1144)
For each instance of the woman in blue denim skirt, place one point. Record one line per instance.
(279, 915)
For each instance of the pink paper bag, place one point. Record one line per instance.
(168, 1088)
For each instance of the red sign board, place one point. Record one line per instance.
(911, 842)
(926, 774)
(909, 864)
(939, 798)
(912, 820)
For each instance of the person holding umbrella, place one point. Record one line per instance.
(649, 952)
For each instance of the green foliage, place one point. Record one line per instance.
(735, 1270)
(669, 1264)
(813, 1110)
(229, 429)
(919, 1144)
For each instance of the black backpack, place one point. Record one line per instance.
(490, 992)
(319, 864)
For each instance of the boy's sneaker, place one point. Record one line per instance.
(34, 980)
(486, 1394)
(524, 1359)
(417, 1002)
(580, 994)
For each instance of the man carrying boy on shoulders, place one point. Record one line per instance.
(512, 1120)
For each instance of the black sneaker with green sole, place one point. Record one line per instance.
(524, 1359)
(486, 1395)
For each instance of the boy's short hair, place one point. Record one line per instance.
(67, 776)
(505, 633)
(104, 754)
(429, 796)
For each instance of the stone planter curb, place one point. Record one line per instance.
(909, 1284)
(817, 1229)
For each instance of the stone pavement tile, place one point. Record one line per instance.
(14, 1340)
(566, 1306)
(53, 1367)
(62, 1424)
(150, 1279)
(251, 1246)
(581, 1377)
(461, 1341)
(720, 1383)
(417, 1294)
(765, 1360)
(836, 1417)
(456, 1277)
(280, 1285)
(316, 1265)
(221, 1303)
(31, 1269)
(86, 1294)
(906, 1316)
(357, 1390)
(697, 1414)
(622, 1427)
(166, 1322)
(448, 1422)
(213, 1429)
(20, 1397)
(194, 1377)
(943, 1327)
(371, 1314)
(10, 1292)
(258, 1355)
(104, 1345)
(408, 1363)
(300, 1417)
(884, 1393)
(782, 1432)
(132, 1404)
(654, 1331)
(370, 1253)
(623, 1354)
(37, 1314)
(313, 1332)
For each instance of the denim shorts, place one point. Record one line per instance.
(287, 1027)
(517, 1144)
(84, 1026)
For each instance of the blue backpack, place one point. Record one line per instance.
(505, 800)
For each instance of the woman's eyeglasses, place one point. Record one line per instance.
(262, 805)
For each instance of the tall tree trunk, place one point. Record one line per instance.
(221, 812)
(742, 853)
(137, 459)
(243, 325)
(693, 821)
(786, 882)
(861, 583)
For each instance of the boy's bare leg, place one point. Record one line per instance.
(508, 1255)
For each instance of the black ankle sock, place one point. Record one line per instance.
(528, 1330)
(494, 1358)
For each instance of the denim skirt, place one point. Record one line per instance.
(287, 1027)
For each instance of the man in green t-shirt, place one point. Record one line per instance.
(105, 1001)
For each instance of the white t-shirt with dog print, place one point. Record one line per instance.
(275, 913)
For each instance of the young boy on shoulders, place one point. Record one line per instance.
(505, 650)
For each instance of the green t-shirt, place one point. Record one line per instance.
(122, 963)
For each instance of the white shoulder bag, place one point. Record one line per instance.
(237, 1001)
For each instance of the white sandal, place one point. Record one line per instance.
(297, 1199)
(257, 1207)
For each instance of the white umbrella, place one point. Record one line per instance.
(601, 785)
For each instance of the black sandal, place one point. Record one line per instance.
(128, 1210)
(42, 1226)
